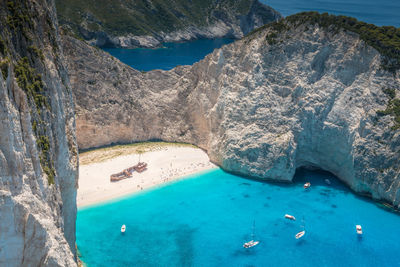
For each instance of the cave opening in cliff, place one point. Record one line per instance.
(317, 177)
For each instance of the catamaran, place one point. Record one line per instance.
(251, 243)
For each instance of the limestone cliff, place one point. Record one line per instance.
(142, 23)
(38, 154)
(292, 94)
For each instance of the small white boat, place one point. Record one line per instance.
(300, 234)
(307, 185)
(359, 229)
(123, 228)
(250, 244)
(290, 217)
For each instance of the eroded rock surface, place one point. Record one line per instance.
(38, 153)
(262, 106)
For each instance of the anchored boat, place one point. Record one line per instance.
(359, 229)
(290, 217)
(251, 243)
(300, 234)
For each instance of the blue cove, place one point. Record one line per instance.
(168, 57)
(205, 219)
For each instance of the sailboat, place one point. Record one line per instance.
(301, 233)
(251, 243)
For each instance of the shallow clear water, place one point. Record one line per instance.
(204, 221)
(168, 57)
(382, 12)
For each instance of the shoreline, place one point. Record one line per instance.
(166, 163)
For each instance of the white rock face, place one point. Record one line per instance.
(309, 100)
(37, 219)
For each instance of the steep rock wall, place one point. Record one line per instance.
(38, 153)
(262, 106)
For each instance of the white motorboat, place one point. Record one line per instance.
(250, 244)
(290, 217)
(123, 228)
(359, 229)
(300, 234)
(307, 185)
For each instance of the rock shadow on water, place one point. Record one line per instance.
(183, 238)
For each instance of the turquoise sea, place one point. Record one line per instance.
(168, 57)
(204, 221)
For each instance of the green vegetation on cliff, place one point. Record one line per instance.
(393, 107)
(141, 17)
(31, 82)
(20, 52)
(385, 39)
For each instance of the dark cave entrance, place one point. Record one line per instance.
(318, 177)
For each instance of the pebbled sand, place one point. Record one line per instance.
(166, 164)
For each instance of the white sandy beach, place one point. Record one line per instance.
(166, 164)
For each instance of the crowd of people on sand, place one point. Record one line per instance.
(170, 173)
(166, 165)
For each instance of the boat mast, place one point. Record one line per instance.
(254, 226)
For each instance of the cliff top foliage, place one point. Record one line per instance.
(144, 17)
(392, 108)
(385, 39)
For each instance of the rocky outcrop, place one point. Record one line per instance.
(164, 22)
(38, 154)
(287, 96)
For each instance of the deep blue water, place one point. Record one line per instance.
(204, 220)
(168, 57)
(382, 12)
